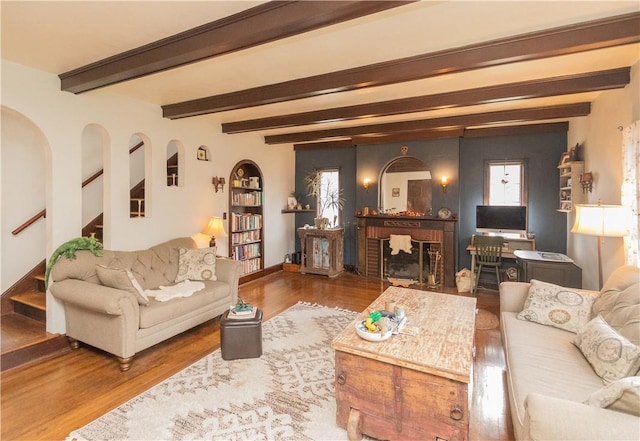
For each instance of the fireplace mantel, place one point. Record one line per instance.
(373, 228)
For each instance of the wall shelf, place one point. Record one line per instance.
(304, 210)
(570, 189)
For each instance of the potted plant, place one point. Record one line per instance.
(333, 198)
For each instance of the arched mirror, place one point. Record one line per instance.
(405, 187)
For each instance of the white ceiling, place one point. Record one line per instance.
(57, 36)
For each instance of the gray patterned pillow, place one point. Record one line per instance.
(610, 354)
(196, 264)
(553, 305)
(622, 395)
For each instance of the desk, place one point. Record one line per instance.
(548, 267)
(511, 245)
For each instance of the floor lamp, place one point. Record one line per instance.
(215, 228)
(602, 221)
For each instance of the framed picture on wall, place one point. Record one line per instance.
(395, 192)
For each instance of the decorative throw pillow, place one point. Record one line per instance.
(553, 305)
(622, 395)
(610, 354)
(120, 278)
(197, 264)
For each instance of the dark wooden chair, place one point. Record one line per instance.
(488, 256)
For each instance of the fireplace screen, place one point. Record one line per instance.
(423, 264)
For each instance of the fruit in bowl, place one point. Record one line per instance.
(375, 327)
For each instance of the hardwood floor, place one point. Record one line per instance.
(48, 400)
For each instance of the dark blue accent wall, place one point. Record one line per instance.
(462, 160)
(343, 159)
(541, 152)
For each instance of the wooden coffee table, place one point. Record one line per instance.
(409, 387)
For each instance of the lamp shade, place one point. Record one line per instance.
(215, 228)
(602, 220)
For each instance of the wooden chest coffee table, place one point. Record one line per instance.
(409, 387)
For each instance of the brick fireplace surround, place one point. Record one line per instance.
(371, 229)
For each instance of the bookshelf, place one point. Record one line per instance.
(246, 224)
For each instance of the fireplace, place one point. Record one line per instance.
(422, 264)
(433, 248)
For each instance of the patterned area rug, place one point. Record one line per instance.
(288, 393)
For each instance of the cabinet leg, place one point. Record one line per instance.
(354, 425)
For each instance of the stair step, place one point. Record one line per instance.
(137, 199)
(40, 282)
(31, 304)
(25, 340)
(100, 227)
(135, 214)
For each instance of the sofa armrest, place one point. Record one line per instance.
(94, 297)
(229, 271)
(513, 295)
(549, 418)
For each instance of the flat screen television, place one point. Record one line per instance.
(509, 219)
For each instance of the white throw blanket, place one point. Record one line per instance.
(399, 242)
(182, 289)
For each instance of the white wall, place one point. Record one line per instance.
(62, 117)
(601, 137)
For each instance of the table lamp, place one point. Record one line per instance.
(602, 221)
(215, 228)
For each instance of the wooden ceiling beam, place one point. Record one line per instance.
(608, 32)
(267, 22)
(475, 119)
(457, 132)
(545, 87)
(524, 129)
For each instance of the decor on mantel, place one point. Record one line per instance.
(602, 221)
(215, 228)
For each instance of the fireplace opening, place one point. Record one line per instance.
(423, 264)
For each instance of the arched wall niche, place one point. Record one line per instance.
(95, 141)
(25, 158)
(175, 164)
(140, 171)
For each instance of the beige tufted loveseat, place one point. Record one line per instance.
(555, 389)
(117, 320)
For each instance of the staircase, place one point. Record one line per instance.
(24, 337)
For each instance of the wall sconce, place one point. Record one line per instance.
(586, 180)
(444, 182)
(365, 183)
(218, 182)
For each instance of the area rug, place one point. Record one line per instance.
(287, 394)
(486, 320)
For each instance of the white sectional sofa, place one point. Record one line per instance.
(554, 390)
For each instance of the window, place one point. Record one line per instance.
(330, 201)
(505, 183)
